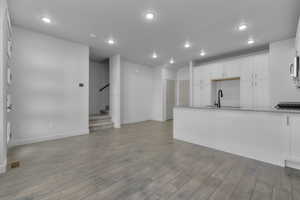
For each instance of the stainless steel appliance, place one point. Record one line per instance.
(295, 71)
(288, 105)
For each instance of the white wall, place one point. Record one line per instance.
(46, 95)
(298, 38)
(231, 92)
(99, 77)
(3, 71)
(169, 73)
(136, 90)
(157, 95)
(281, 85)
(159, 101)
(115, 89)
(183, 73)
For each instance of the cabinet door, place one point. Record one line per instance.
(246, 94)
(298, 38)
(231, 69)
(260, 66)
(216, 71)
(261, 93)
(295, 137)
(261, 80)
(246, 82)
(246, 71)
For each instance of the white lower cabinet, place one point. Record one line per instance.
(294, 122)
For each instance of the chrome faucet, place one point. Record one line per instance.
(220, 95)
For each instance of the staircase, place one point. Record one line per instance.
(99, 122)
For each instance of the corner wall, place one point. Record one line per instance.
(3, 85)
(136, 92)
(48, 101)
(115, 90)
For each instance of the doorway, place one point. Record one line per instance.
(170, 98)
(183, 93)
(99, 87)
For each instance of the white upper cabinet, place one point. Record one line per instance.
(298, 38)
(201, 85)
(252, 70)
(261, 66)
(215, 70)
(231, 68)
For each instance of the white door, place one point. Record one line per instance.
(183, 92)
(170, 98)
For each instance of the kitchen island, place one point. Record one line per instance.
(264, 134)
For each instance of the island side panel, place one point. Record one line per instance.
(262, 136)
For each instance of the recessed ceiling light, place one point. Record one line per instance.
(111, 41)
(92, 35)
(154, 55)
(46, 20)
(172, 61)
(242, 27)
(202, 53)
(187, 45)
(150, 16)
(251, 41)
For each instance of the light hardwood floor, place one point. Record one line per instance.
(140, 161)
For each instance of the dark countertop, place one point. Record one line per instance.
(229, 108)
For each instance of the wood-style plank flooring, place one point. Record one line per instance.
(140, 162)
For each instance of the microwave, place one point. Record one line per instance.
(294, 69)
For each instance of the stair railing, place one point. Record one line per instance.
(104, 87)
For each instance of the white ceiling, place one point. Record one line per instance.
(207, 24)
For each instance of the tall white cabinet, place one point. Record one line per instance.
(254, 83)
(298, 38)
(252, 70)
(202, 86)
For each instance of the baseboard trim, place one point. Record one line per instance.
(18, 142)
(293, 163)
(3, 167)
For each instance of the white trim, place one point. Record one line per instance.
(3, 167)
(17, 142)
(191, 71)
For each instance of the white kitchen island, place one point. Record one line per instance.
(267, 135)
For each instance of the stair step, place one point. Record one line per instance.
(95, 128)
(94, 124)
(99, 121)
(99, 117)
